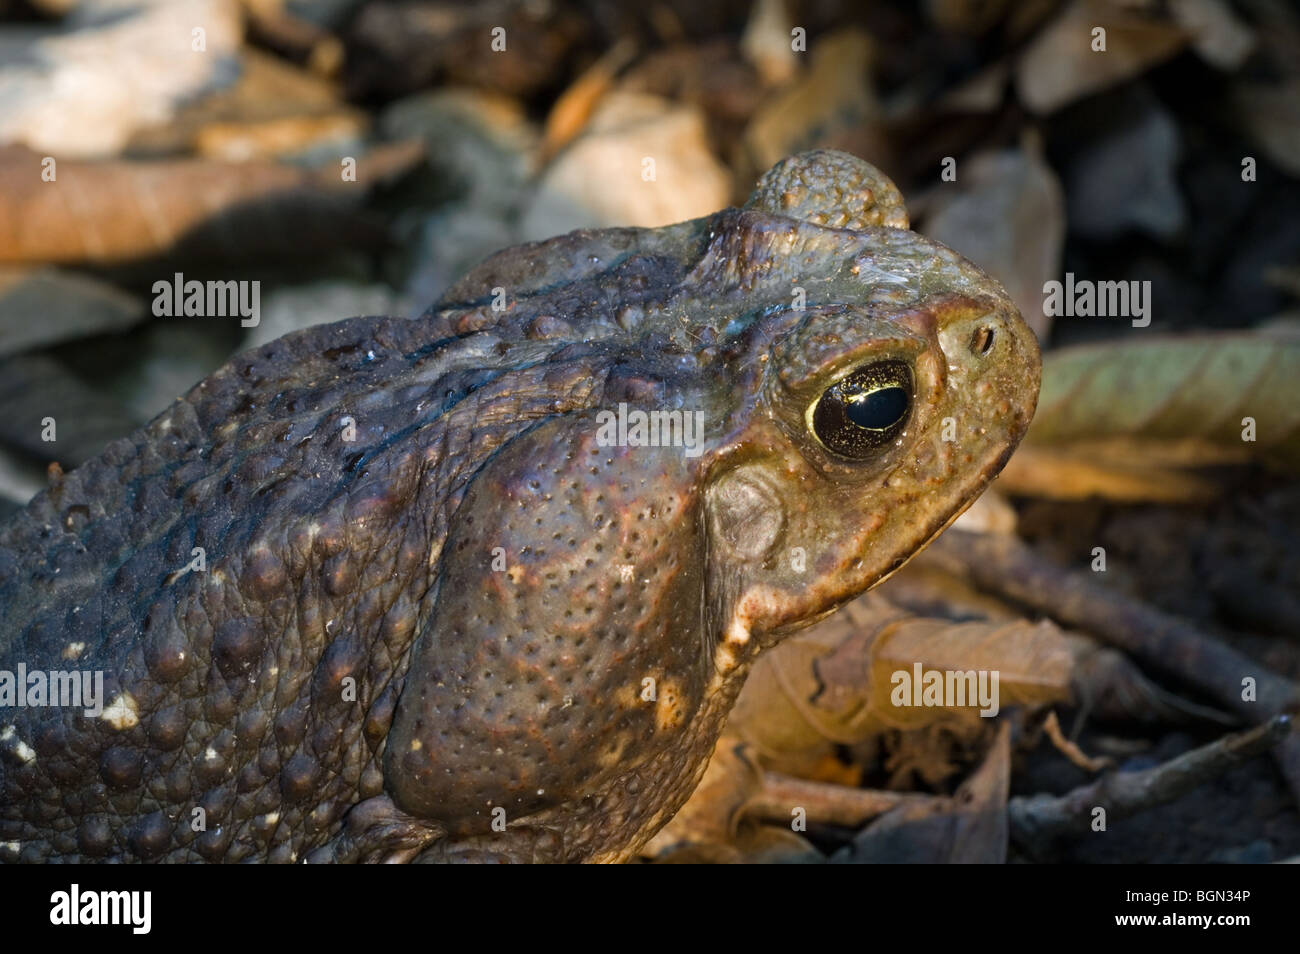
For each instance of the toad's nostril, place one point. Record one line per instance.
(982, 341)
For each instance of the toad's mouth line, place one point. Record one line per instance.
(982, 477)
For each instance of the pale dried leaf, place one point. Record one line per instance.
(1060, 66)
(1174, 401)
(601, 179)
(83, 88)
(766, 42)
(269, 95)
(1271, 115)
(990, 513)
(834, 94)
(1032, 662)
(43, 306)
(1006, 213)
(1219, 37)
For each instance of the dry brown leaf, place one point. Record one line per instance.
(1060, 66)
(286, 136)
(53, 8)
(969, 828)
(775, 712)
(975, 17)
(1032, 662)
(833, 684)
(574, 107)
(770, 713)
(833, 99)
(112, 212)
(1068, 473)
(771, 845)
(269, 97)
(271, 25)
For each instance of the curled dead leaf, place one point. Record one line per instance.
(845, 679)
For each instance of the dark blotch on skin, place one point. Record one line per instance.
(94, 836)
(298, 776)
(167, 653)
(120, 767)
(237, 645)
(150, 836)
(167, 728)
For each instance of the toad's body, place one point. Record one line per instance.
(435, 617)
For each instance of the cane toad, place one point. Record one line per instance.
(483, 585)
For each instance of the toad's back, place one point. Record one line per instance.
(227, 569)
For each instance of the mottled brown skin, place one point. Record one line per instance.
(515, 689)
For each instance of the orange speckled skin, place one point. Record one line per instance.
(473, 632)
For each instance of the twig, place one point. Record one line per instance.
(1037, 819)
(1052, 726)
(823, 802)
(1006, 565)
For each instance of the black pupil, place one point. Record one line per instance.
(878, 409)
(865, 410)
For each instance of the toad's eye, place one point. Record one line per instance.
(865, 410)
